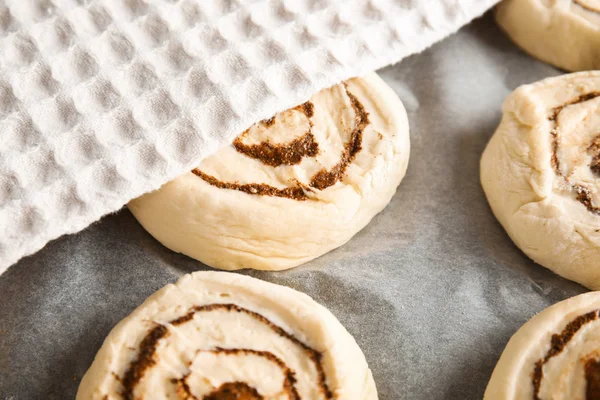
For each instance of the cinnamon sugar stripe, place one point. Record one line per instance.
(280, 154)
(147, 356)
(273, 155)
(286, 153)
(584, 195)
(324, 178)
(293, 192)
(268, 122)
(146, 359)
(594, 150)
(241, 390)
(183, 389)
(227, 391)
(557, 345)
(592, 378)
(234, 391)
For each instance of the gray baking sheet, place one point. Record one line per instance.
(431, 289)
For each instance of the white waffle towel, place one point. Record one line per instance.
(104, 100)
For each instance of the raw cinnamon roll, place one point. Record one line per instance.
(291, 187)
(556, 355)
(219, 336)
(565, 33)
(541, 174)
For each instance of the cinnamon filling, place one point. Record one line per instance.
(227, 391)
(292, 153)
(277, 154)
(324, 179)
(594, 150)
(234, 391)
(241, 389)
(282, 154)
(584, 195)
(557, 345)
(295, 192)
(147, 358)
(592, 378)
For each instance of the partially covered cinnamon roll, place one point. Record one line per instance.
(541, 174)
(291, 187)
(556, 355)
(222, 336)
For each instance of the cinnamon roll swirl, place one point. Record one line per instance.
(290, 188)
(555, 355)
(220, 336)
(541, 174)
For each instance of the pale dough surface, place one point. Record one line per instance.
(565, 33)
(564, 373)
(540, 199)
(217, 347)
(231, 229)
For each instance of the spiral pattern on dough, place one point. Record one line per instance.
(213, 338)
(293, 152)
(150, 347)
(541, 174)
(555, 355)
(291, 187)
(558, 344)
(578, 157)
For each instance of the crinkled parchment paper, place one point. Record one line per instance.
(432, 289)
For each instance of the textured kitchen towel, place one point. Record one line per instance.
(103, 100)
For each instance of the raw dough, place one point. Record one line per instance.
(541, 174)
(565, 33)
(290, 188)
(556, 355)
(214, 333)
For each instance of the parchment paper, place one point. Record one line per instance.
(432, 289)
